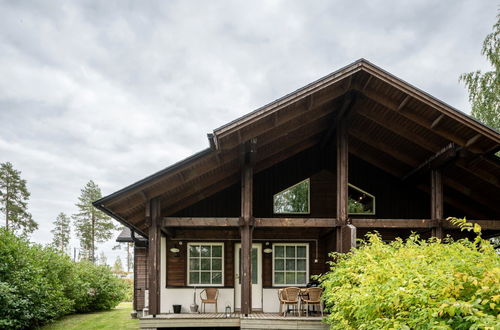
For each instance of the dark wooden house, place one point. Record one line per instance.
(278, 189)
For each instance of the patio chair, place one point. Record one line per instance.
(313, 298)
(291, 298)
(281, 298)
(211, 295)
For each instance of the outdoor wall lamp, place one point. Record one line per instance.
(268, 249)
(176, 249)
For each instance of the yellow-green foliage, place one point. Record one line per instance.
(415, 284)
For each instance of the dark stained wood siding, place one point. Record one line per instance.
(177, 263)
(394, 198)
(177, 267)
(140, 278)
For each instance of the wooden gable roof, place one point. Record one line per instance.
(393, 125)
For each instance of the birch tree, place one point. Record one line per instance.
(484, 87)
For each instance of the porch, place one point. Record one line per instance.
(256, 320)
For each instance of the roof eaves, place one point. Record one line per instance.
(142, 182)
(402, 84)
(293, 96)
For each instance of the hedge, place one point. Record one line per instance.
(415, 284)
(38, 284)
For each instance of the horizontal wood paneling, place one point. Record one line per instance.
(177, 266)
(140, 277)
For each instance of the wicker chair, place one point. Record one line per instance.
(211, 295)
(313, 298)
(281, 298)
(291, 297)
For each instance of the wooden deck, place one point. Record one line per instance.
(236, 320)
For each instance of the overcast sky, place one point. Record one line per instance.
(116, 90)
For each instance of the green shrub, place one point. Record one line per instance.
(129, 293)
(38, 284)
(415, 284)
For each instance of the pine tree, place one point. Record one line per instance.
(61, 232)
(14, 196)
(484, 87)
(130, 257)
(103, 260)
(118, 266)
(91, 225)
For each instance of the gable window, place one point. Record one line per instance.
(293, 200)
(360, 202)
(290, 264)
(205, 264)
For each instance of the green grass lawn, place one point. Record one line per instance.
(118, 318)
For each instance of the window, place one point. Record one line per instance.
(205, 264)
(360, 202)
(294, 199)
(290, 264)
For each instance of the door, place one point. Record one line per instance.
(256, 276)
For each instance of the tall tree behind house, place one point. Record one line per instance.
(484, 87)
(91, 225)
(61, 232)
(14, 196)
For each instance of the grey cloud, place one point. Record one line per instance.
(116, 90)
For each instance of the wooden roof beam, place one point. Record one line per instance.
(347, 104)
(383, 147)
(476, 195)
(268, 160)
(376, 161)
(389, 104)
(367, 83)
(472, 140)
(397, 129)
(437, 121)
(439, 159)
(291, 111)
(403, 133)
(403, 103)
(265, 141)
(188, 222)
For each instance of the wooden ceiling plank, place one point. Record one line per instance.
(403, 103)
(269, 160)
(329, 81)
(226, 157)
(367, 83)
(437, 160)
(425, 143)
(427, 99)
(349, 100)
(396, 128)
(389, 104)
(226, 142)
(398, 173)
(478, 172)
(382, 147)
(473, 140)
(437, 121)
(374, 161)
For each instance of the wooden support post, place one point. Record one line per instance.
(154, 254)
(247, 225)
(437, 212)
(346, 233)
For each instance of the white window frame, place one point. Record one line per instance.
(307, 263)
(188, 271)
(308, 198)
